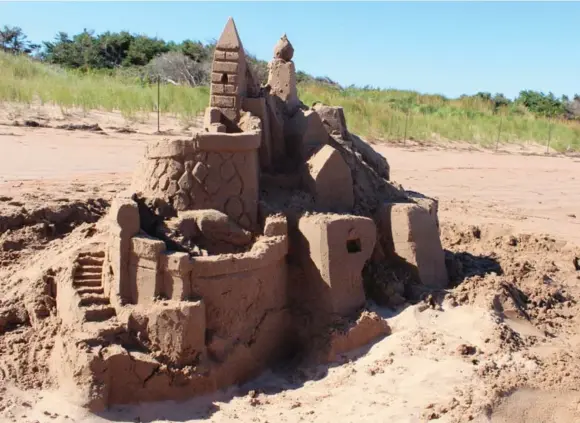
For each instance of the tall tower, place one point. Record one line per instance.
(282, 76)
(228, 77)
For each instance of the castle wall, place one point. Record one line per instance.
(236, 288)
(234, 311)
(258, 107)
(176, 271)
(212, 171)
(332, 251)
(409, 234)
(328, 178)
(124, 224)
(145, 281)
(236, 304)
(305, 133)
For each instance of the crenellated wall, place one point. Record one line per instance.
(224, 316)
(153, 272)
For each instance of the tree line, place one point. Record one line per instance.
(541, 104)
(189, 62)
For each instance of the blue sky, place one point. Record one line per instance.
(447, 48)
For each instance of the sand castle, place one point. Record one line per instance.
(238, 247)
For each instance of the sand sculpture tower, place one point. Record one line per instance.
(228, 78)
(219, 168)
(282, 75)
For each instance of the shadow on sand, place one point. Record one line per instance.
(463, 265)
(287, 376)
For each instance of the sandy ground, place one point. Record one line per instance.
(420, 372)
(532, 192)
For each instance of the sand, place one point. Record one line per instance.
(501, 346)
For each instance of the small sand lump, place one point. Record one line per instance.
(283, 49)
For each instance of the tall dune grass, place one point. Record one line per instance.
(25, 81)
(391, 114)
(375, 114)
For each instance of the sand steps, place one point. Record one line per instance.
(90, 290)
(93, 299)
(88, 278)
(99, 313)
(87, 281)
(88, 284)
(91, 258)
(91, 269)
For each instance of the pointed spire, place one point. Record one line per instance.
(229, 40)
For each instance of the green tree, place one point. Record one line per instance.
(143, 49)
(60, 51)
(499, 100)
(87, 50)
(14, 40)
(114, 47)
(483, 95)
(195, 50)
(541, 104)
(144, 56)
(82, 51)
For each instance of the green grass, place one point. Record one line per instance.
(25, 81)
(373, 114)
(383, 115)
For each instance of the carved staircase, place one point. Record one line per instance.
(88, 283)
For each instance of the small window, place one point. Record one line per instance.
(224, 79)
(208, 335)
(353, 246)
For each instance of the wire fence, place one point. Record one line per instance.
(497, 133)
(491, 133)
